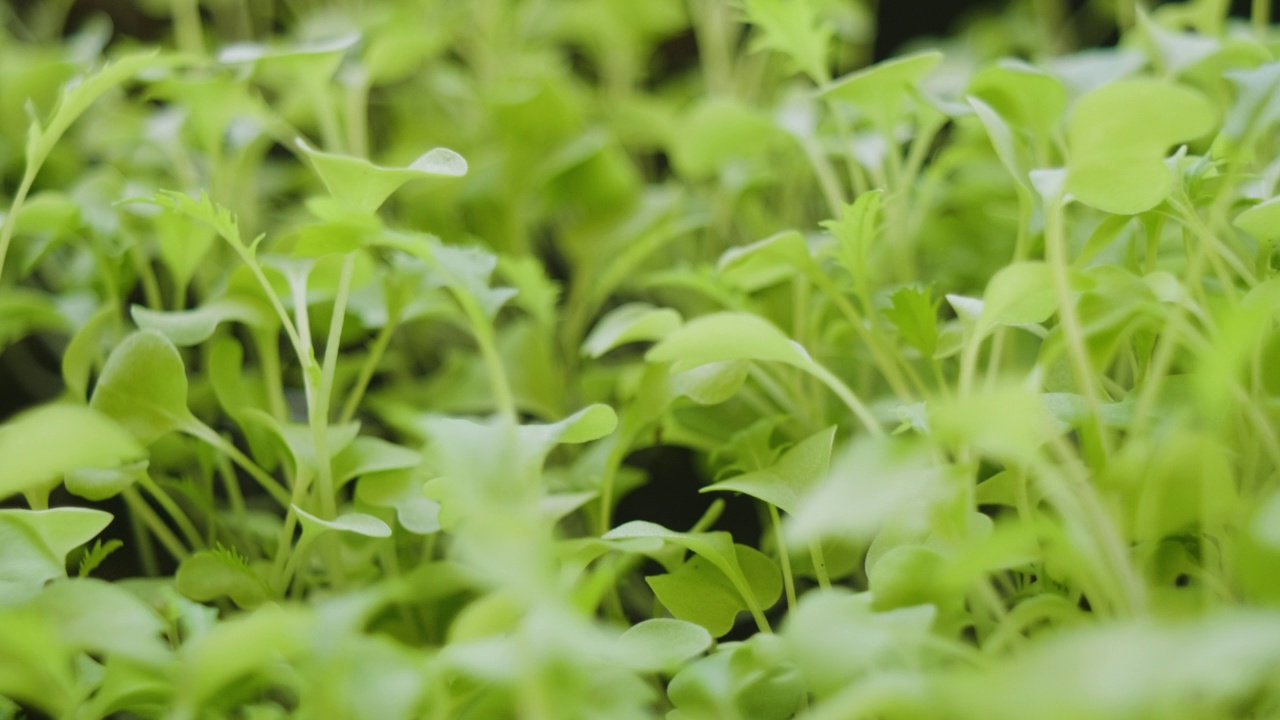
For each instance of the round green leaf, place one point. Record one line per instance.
(728, 336)
(662, 644)
(1118, 135)
(144, 387)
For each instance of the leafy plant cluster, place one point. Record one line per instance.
(339, 327)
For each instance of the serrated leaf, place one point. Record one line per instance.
(41, 445)
(856, 229)
(144, 387)
(914, 313)
(94, 556)
(785, 483)
(794, 29)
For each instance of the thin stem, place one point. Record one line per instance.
(819, 564)
(319, 411)
(11, 219)
(1073, 332)
(186, 26)
(1261, 14)
(154, 524)
(377, 349)
(176, 514)
(846, 395)
(784, 558)
(203, 432)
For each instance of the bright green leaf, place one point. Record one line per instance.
(41, 445)
(144, 387)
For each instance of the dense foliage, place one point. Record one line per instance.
(333, 337)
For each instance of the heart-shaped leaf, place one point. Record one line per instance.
(1118, 135)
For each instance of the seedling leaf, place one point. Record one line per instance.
(41, 445)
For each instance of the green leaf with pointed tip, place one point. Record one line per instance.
(41, 445)
(36, 543)
(662, 644)
(879, 92)
(208, 575)
(632, 322)
(1001, 136)
(1018, 294)
(355, 523)
(186, 328)
(363, 186)
(203, 210)
(718, 549)
(727, 336)
(856, 229)
(1118, 135)
(794, 29)
(1262, 220)
(1024, 96)
(94, 556)
(914, 313)
(79, 94)
(144, 387)
(700, 592)
(786, 482)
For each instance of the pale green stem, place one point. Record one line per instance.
(186, 26)
(319, 411)
(1077, 349)
(784, 558)
(154, 524)
(203, 432)
(377, 349)
(179, 517)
